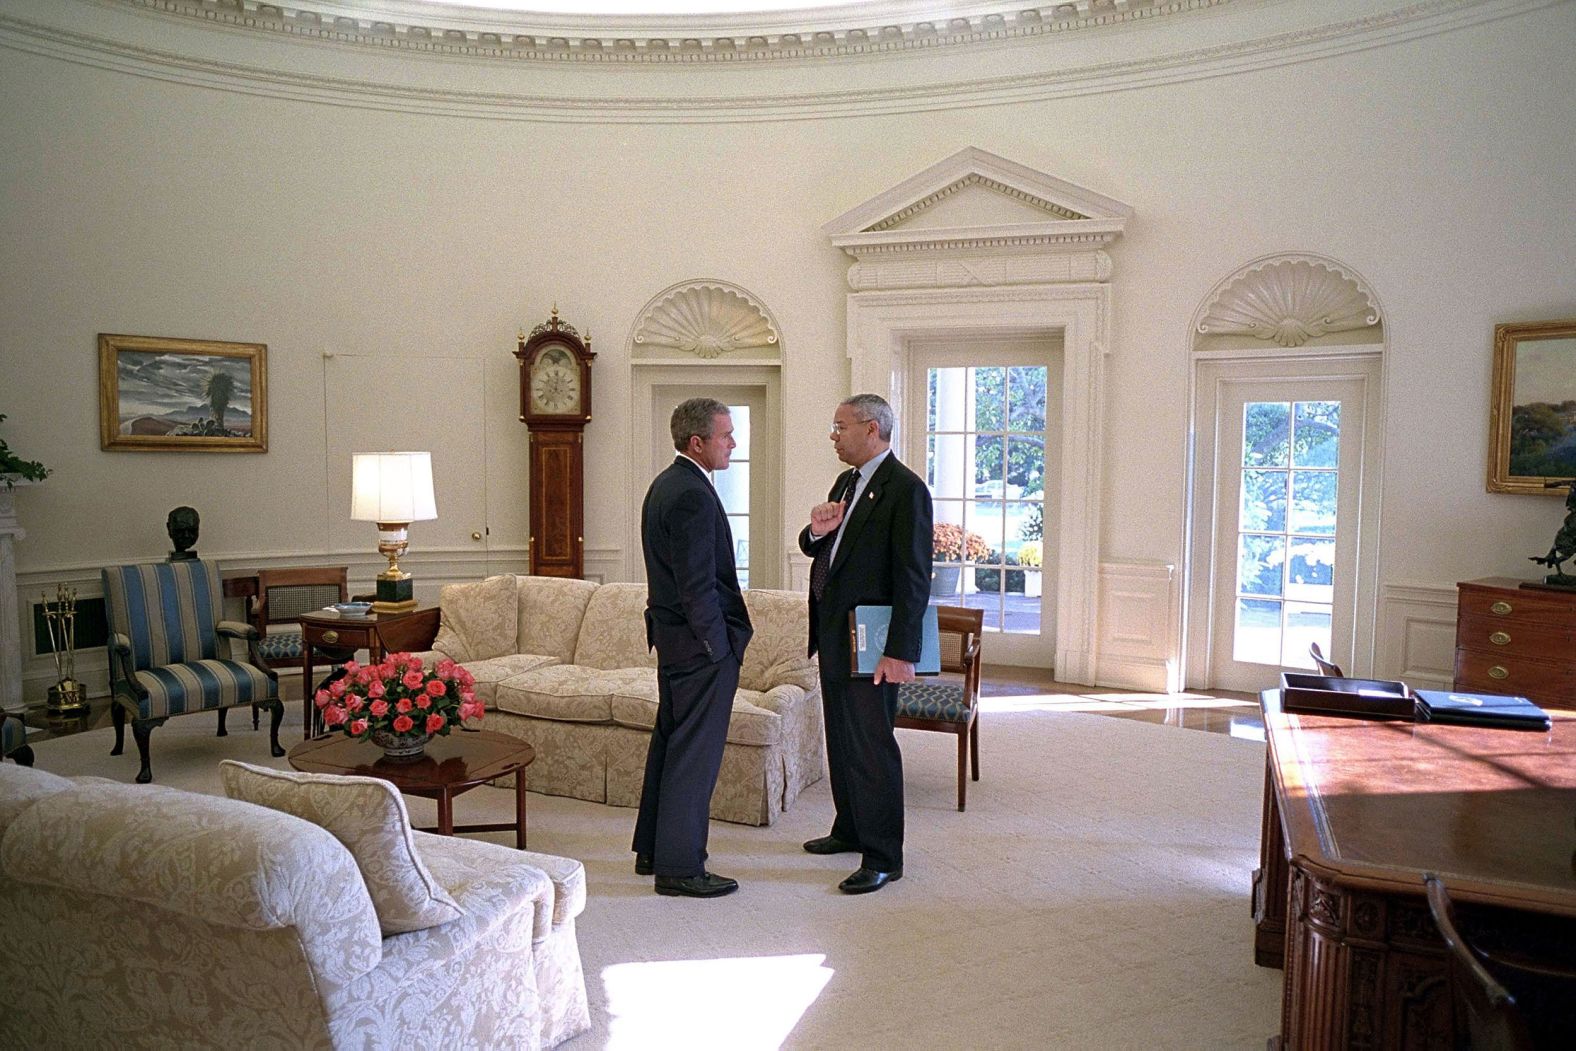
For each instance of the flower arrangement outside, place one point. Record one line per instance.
(953, 544)
(400, 695)
(1030, 554)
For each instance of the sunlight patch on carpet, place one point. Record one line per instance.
(742, 1003)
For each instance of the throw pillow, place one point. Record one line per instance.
(368, 816)
(478, 620)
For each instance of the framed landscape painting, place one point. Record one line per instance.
(188, 395)
(1532, 425)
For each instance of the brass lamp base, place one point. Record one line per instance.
(395, 594)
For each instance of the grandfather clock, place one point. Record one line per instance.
(555, 404)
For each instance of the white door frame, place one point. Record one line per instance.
(881, 326)
(1210, 372)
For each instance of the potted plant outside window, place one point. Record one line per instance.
(952, 544)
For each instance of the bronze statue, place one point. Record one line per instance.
(182, 526)
(1564, 546)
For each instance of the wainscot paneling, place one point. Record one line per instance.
(1136, 626)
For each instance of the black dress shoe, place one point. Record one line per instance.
(866, 880)
(829, 845)
(706, 885)
(644, 866)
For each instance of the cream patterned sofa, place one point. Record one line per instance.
(564, 665)
(151, 917)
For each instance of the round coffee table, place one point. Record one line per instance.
(450, 766)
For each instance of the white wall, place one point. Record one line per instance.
(1439, 168)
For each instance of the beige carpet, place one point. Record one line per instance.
(1095, 895)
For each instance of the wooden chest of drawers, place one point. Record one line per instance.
(1516, 640)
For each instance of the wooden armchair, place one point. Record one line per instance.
(951, 705)
(1511, 999)
(282, 596)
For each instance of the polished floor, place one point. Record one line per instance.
(1214, 711)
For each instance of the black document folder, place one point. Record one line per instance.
(1481, 709)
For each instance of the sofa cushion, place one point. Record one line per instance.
(613, 634)
(368, 816)
(479, 619)
(569, 692)
(488, 674)
(22, 786)
(776, 653)
(751, 722)
(551, 612)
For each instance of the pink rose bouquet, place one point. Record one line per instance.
(399, 695)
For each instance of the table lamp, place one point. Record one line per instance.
(392, 490)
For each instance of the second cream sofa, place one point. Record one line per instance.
(564, 665)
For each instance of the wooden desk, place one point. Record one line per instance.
(377, 633)
(1355, 812)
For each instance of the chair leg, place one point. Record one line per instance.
(118, 717)
(141, 730)
(974, 744)
(222, 731)
(963, 767)
(255, 710)
(274, 719)
(23, 755)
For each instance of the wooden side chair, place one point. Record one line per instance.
(951, 705)
(282, 596)
(164, 656)
(1325, 667)
(1512, 998)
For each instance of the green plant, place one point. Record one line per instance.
(11, 463)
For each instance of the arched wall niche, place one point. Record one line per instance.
(1286, 314)
(705, 336)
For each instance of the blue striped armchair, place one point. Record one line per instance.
(164, 654)
(13, 739)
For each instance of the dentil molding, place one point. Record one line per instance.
(1290, 299)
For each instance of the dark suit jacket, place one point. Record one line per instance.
(882, 560)
(693, 603)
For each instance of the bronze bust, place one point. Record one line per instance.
(182, 526)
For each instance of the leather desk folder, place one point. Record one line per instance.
(1482, 709)
(867, 629)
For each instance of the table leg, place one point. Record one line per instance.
(445, 813)
(306, 688)
(519, 809)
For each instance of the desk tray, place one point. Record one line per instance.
(1365, 698)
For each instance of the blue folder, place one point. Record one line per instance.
(1481, 709)
(868, 627)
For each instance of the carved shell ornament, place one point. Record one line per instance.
(707, 321)
(1290, 302)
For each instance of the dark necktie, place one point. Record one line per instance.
(821, 566)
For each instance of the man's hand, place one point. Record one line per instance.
(889, 669)
(824, 518)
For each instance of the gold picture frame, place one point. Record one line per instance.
(1532, 421)
(182, 395)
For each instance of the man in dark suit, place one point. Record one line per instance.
(871, 545)
(696, 621)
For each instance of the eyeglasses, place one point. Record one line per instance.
(838, 428)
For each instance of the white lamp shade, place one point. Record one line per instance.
(392, 487)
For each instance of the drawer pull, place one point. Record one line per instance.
(1501, 608)
(1498, 672)
(1499, 638)
(331, 637)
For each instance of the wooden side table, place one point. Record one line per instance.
(450, 766)
(377, 633)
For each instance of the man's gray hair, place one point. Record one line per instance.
(694, 419)
(869, 407)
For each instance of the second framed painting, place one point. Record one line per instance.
(187, 395)
(1532, 424)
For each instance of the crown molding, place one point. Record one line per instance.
(601, 104)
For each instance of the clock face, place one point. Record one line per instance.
(555, 382)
